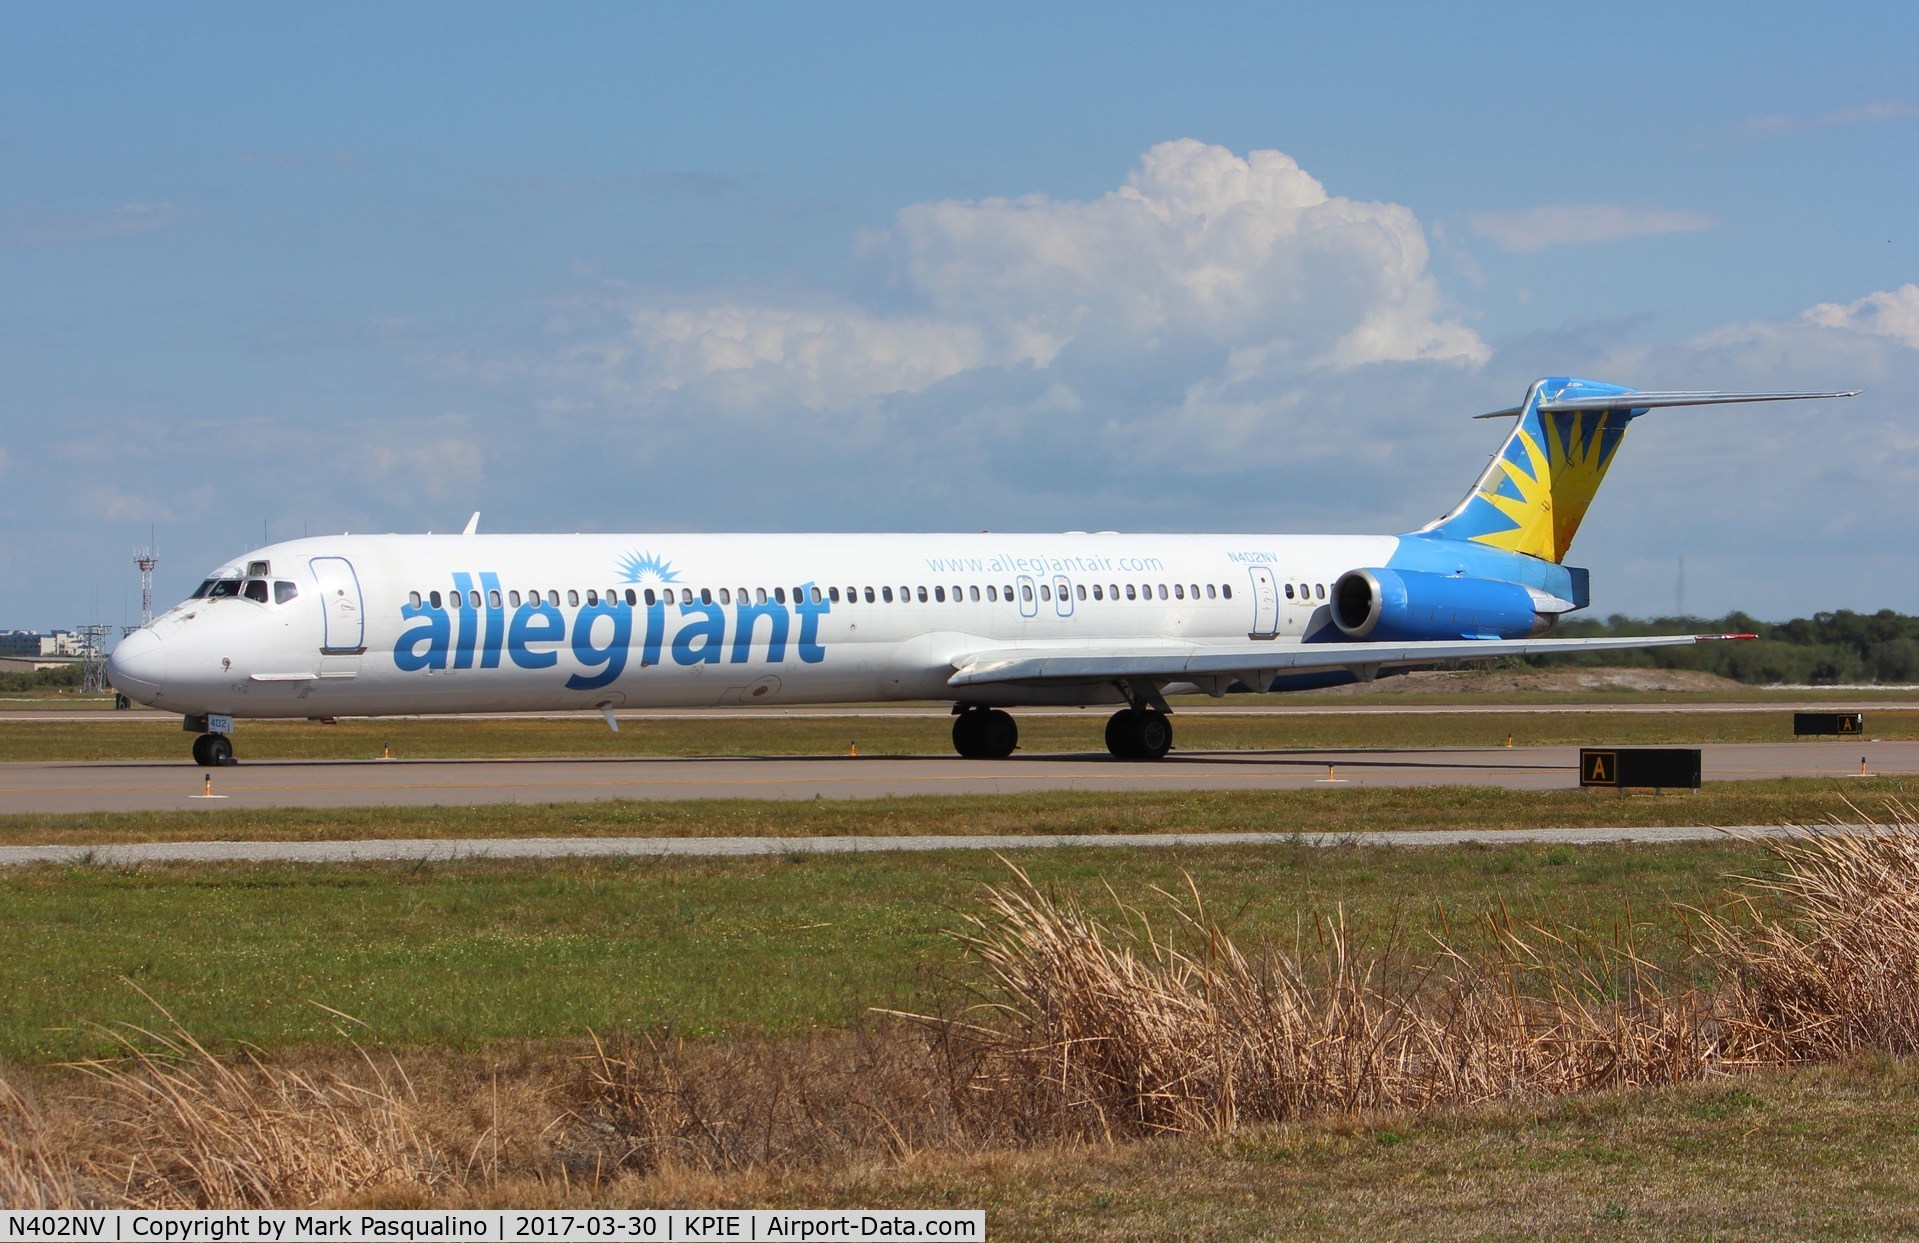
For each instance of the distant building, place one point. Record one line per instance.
(32, 643)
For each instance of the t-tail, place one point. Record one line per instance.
(1537, 489)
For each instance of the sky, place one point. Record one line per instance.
(271, 270)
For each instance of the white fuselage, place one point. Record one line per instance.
(388, 624)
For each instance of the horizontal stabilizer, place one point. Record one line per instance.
(1651, 401)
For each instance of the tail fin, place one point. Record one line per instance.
(1538, 487)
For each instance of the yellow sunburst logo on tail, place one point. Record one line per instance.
(1533, 496)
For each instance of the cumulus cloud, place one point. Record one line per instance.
(1565, 224)
(1199, 242)
(1204, 272)
(1888, 313)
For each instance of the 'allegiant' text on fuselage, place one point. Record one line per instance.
(600, 634)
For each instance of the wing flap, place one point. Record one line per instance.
(1257, 663)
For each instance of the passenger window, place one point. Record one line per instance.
(1026, 592)
(869, 596)
(1097, 594)
(632, 597)
(706, 595)
(726, 596)
(886, 594)
(1319, 589)
(1162, 591)
(939, 594)
(1131, 593)
(434, 597)
(779, 595)
(413, 599)
(1210, 593)
(572, 597)
(649, 597)
(922, 595)
(592, 597)
(992, 594)
(1226, 590)
(1179, 591)
(973, 594)
(493, 598)
(1081, 588)
(1289, 591)
(832, 595)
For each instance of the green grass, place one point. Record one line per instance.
(1306, 810)
(1080, 733)
(464, 954)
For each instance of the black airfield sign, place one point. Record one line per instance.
(1658, 767)
(1844, 724)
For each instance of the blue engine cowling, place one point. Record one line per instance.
(1401, 605)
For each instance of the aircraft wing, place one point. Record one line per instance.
(1256, 664)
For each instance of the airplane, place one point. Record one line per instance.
(374, 625)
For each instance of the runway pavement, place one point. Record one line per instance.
(152, 785)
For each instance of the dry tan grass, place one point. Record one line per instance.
(189, 1129)
(1088, 1032)
(1142, 1029)
(1838, 973)
(34, 1174)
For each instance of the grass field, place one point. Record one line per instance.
(466, 953)
(485, 979)
(1081, 733)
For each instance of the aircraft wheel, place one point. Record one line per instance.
(999, 734)
(985, 734)
(1139, 734)
(966, 734)
(213, 751)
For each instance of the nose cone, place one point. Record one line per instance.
(138, 666)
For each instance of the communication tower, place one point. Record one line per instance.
(144, 558)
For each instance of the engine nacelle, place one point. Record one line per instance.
(1410, 605)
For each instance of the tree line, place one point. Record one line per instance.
(1826, 648)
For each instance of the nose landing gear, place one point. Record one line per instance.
(213, 751)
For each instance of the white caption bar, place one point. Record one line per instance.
(494, 1225)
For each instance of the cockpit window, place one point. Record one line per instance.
(256, 590)
(219, 587)
(283, 591)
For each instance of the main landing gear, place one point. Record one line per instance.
(213, 751)
(1139, 734)
(1143, 733)
(984, 733)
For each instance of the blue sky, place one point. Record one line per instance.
(273, 269)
